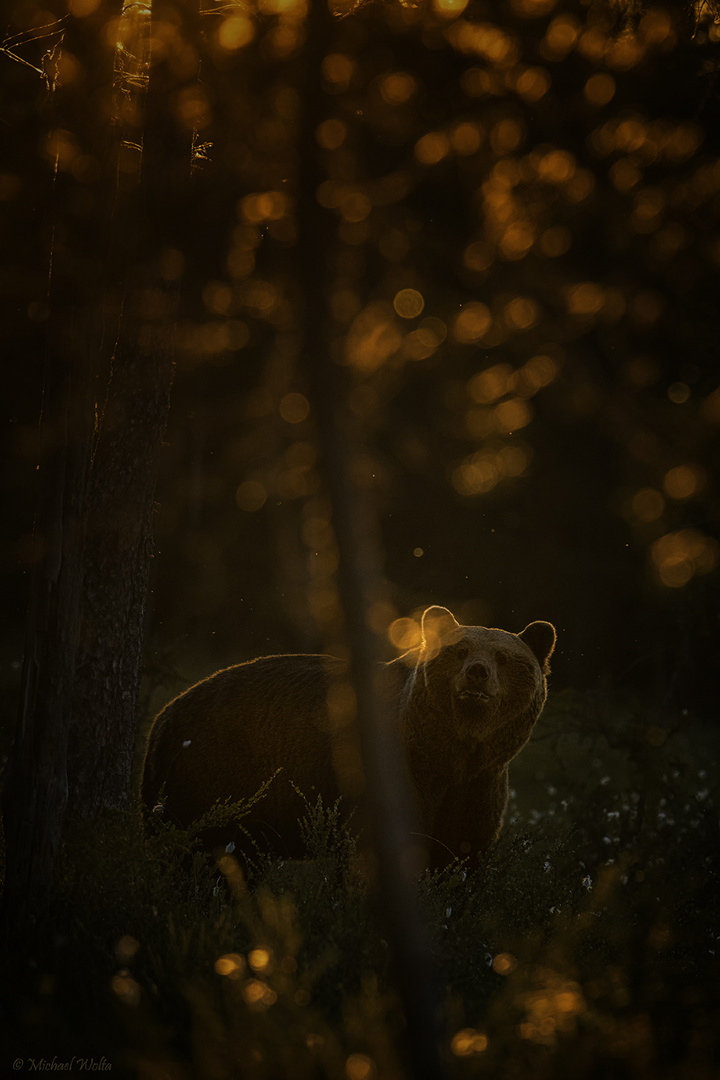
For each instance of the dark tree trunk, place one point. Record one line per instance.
(113, 299)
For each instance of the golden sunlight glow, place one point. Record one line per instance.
(404, 634)
(467, 1042)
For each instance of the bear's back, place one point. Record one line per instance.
(229, 733)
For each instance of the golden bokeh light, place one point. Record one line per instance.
(250, 496)
(493, 383)
(231, 965)
(472, 322)
(600, 89)
(533, 83)
(560, 37)
(479, 473)
(647, 505)
(467, 1042)
(588, 298)
(360, 1067)
(258, 995)
(479, 256)
(432, 148)
(408, 303)
(126, 988)
(551, 1010)
(373, 337)
(683, 481)
(679, 556)
(512, 415)
(539, 371)
(517, 240)
(555, 241)
(235, 32)
(449, 8)
(337, 70)
(521, 313)
(504, 963)
(467, 138)
(397, 88)
(259, 959)
(294, 408)
(331, 134)
(679, 393)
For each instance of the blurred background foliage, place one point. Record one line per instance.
(519, 272)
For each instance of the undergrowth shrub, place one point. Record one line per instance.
(585, 944)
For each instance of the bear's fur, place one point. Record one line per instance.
(464, 703)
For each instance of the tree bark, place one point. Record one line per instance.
(115, 282)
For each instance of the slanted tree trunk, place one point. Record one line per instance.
(387, 799)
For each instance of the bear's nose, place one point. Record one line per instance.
(478, 671)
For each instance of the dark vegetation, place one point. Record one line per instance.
(586, 946)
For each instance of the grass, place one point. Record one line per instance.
(586, 945)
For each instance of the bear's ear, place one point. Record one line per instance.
(436, 623)
(540, 638)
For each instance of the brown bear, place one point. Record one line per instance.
(463, 704)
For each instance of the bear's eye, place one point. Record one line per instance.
(461, 651)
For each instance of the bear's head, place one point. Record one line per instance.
(490, 685)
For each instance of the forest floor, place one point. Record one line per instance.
(587, 944)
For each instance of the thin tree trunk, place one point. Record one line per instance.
(387, 793)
